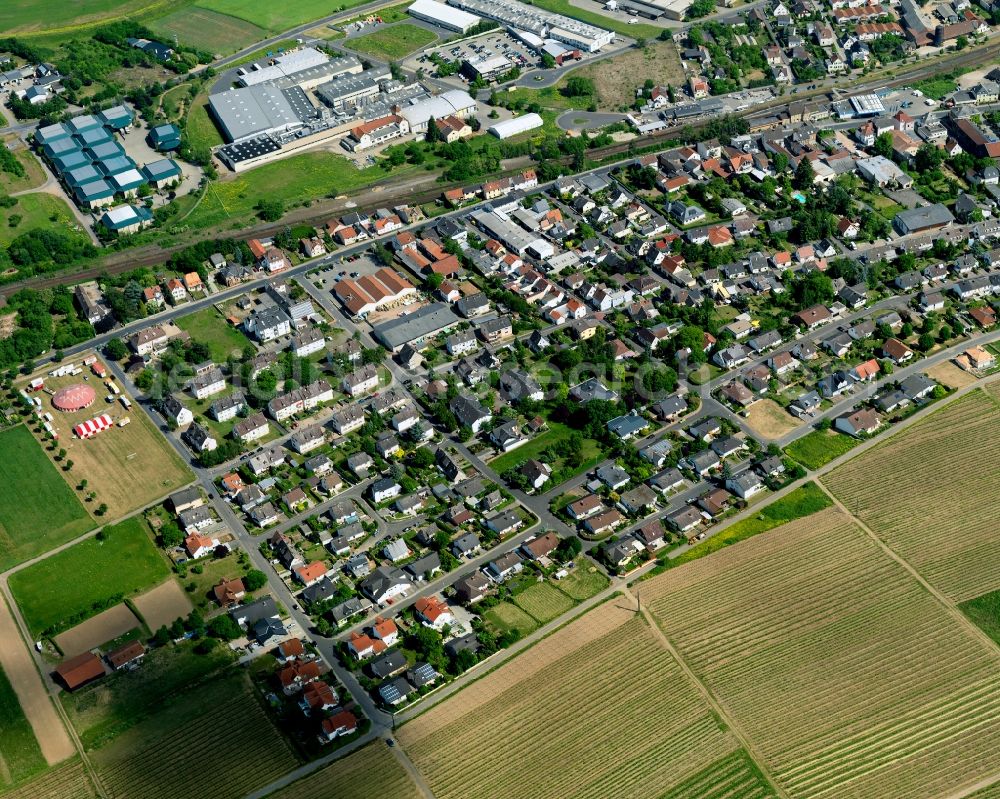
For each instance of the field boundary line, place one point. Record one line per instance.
(713, 702)
(411, 769)
(969, 790)
(949, 606)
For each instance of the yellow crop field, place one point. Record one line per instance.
(598, 709)
(847, 676)
(930, 493)
(356, 777)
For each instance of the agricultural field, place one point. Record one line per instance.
(584, 581)
(162, 605)
(276, 17)
(20, 757)
(222, 721)
(108, 625)
(126, 467)
(984, 611)
(69, 781)
(907, 488)
(69, 585)
(505, 616)
(25, 16)
(38, 511)
(208, 327)
(556, 703)
(351, 778)
(803, 501)
(847, 676)
(819, 447)
(208, 30)
(33, 211)
(543, 601)
(392, 43)
(106, 709)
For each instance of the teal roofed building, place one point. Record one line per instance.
(51, 133)
(115, 165)
(119, 117)
(162, 173)
(70, 160)
(85, 122)
(93, 136)
(164, 137)
(127, 182)
(83, 174)
(59, 147)
(95, 194)
(127, 218)
(105, 150)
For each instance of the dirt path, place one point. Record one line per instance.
(413, 771)
(27, 683)
(708, 696)
(969, 790)
(963, 620)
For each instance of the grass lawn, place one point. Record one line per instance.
(505, 616)
(208, 30)
(984, 611)
(543, 601)
(803, 501)
(101, 711)
(34, 175)
(35, 211)
(556, 433)
(208, 327)
(198, 124)
(584, 581)
(291, 180)
(212, 571)
(19, 751)
(393, 42)
(47, 15)
(38, 511)
(67, 585)
(819, 447)
(278, 16)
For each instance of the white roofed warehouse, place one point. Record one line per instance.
(450, 103)
(453, 19)
(512, 127)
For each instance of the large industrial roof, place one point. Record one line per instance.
(285, 65)
(431, 9)
(248, 112)
(453, 101)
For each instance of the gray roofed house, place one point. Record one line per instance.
(425, 567)
(389, 664)
(319, 591)
(395, 691)
(592, 389)
(470, 412)
(917, 386)
(472, 587)
(465, 545)
(702, 462)
(385, 583)
(352, 607)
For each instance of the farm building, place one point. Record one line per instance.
(80, 670)
(512, 127)
(453, 19)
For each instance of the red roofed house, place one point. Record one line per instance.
(127, 656)
(720, 236)
(290, 650)
(540, 547)
(433, 613)
(311, 573)
(298, 674)
(866, 371)
(985, 317)
(198, 545)
(363, 646)
(80, 670)
(386, 631)
(896, 351)
(229, 592)
(317, 696)
(342, 723)
(813, 316)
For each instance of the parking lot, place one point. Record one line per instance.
(489, 45)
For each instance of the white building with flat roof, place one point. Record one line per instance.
(444, 16)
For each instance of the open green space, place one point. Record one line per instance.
(556, 433)
(104, 710)
(984, 611)
(584, 581)
(208, 30)
(38, 510)
(33, 177)
(19, 752)
(505, 616)
(819, 447)
(26, 16)
(803, 501)
(543, 601)
(86, 578)
(198, 125)
(291, 181)
(208, 327)
(35, 211)
(278, 16)
(392, 43)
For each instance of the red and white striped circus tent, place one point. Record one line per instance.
(93, 426)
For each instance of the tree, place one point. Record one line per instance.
(68, 465)
(171, 535)
(577, 86)
(254, 580)
(270, 210)
(115, 349)
(692, 337)
(548, 62)
(569, 548)
(805, 175)
(224, 628)
(883, 145)
(433, 132)
(925, 342)
(101, 509)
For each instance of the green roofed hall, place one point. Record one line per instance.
(51, 133)
(164, 137)
(160, 173)
(105, 150)
(84, 122)
(118, 117)
(94, 193)
(92, 136)
(127, 218)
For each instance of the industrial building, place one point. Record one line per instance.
(512, 127)
(486, 69)
(498, 226)
(257, 110)
(653, 9)
(922, 218)
(415, 328)
(285, 65)
(443, 16)
(350, 89)
(543, 24)
(450, 103)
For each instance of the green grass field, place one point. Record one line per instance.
(392, 43)
(35, 211)
(208, 327)
(68, 584)
(20, 755)
(985, 612)
(556, 433)
(291, 180)
(819, 447)
(543, 601)
(505, 616)
(45, 15)
(276, 17)
(208, 30)
(38, 511)
(198, 124)
(803, 501)
(34, 175)
(584, 581)
(106, 709)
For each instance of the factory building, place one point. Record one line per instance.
(444, 16)
(543, 24)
